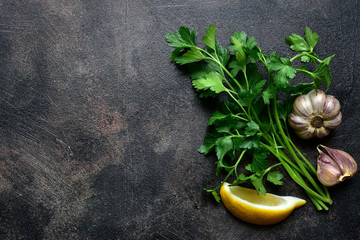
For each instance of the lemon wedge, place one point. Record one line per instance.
(247, 205)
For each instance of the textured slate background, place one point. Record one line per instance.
(99, 131)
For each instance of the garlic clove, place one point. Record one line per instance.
(328, 171)
(346, 163)
(333, 123)
(334, 166)
(302, 106)
(321, 132)
(331, 107)
(306, 133)
(296, 121)
(317, 99)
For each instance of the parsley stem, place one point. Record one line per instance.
(323, 205)
(238, 161)
(306, 162)
(231, 171)
(279, 154)
(292, 152)
(230, 75)
(298, 179)
(238, 135)
(300, 163)
(236, 115)
(227, 82)
(273, 127)
(310, 166)
(271, 141)
(305, 54)
(246, 79)
(271, 167)
(240, 105)
(315, 202)
(241, 118)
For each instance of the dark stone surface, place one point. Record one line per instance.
(99, 131)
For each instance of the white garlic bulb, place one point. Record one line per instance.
(315, 114)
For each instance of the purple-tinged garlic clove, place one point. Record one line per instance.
(334, 166)
(297, 121)
(347, 164)
(317, 99)
(334, 122)
(302, 106)
(331, 107)
(321, 132)
(328, 171)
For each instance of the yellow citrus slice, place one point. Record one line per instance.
(247, 205)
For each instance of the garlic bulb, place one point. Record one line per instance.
(315, 114)
(334, 166)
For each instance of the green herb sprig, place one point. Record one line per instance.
(251, 121)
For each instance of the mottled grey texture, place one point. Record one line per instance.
(99, 131)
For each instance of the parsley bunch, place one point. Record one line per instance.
(251, 121)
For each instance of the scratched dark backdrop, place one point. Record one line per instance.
(99, 131)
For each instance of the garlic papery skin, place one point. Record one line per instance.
(315, 114)
(334, 166)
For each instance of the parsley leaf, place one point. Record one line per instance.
(217, 116)
(192, 55)
(283, 65)
(259, 161)
(175, 53)
(275, 177)
(252, 128)
(258, 184)
(223, 146)
(212, 81)
(240, 53)
(222, 53)
(248, 43)
(245, 50)
(209, 143)
(254, 77)
(321, 74)
(268, 94)
(297, 43)
(235, 67)
(241, 178)
(311, 38)
(183, 38)
(299, 89)
(216, 196)
(250, 142)
(284, 108)
(209, 39)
